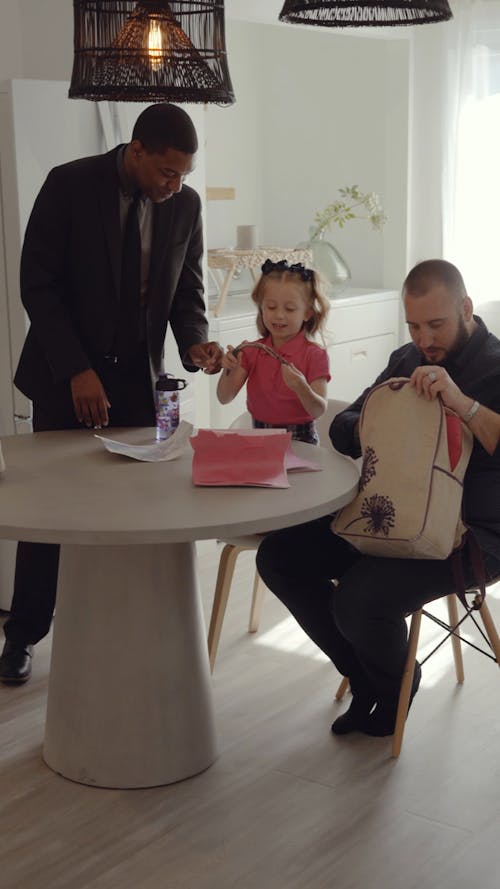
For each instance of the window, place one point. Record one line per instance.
(476, 223)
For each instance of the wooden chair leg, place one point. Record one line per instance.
(455, 641)
(406, 683)
(343, 687)
(222, 587)
(259, 588)
(491, 630)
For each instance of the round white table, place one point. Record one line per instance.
(130, 701)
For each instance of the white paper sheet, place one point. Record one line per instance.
(152, 453)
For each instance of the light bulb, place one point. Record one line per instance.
(155, 48)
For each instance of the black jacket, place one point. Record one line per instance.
(70, 274)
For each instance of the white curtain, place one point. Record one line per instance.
(471, 146)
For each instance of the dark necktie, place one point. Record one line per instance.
(128, 329)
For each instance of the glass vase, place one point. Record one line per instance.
(327, 260)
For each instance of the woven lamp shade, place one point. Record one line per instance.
(130, 51)
(363, 13)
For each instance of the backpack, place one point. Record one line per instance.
(415, 453)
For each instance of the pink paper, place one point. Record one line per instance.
(240, 457)
(259, 457)
(292, 462)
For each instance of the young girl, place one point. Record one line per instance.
(288, 390)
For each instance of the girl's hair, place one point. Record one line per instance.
(313, 293)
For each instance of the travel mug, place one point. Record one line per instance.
(167, 400)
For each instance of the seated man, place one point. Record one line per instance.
(359, 621)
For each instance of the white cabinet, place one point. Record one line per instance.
(355, 365)
(230, 329)
(362, 331)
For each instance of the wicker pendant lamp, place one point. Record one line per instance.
(150, 50)
(363, 13)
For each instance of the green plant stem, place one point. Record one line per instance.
(327, 225)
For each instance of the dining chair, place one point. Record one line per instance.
(452, 632)
(233, 546)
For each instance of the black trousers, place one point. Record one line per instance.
(354, 606)
(130, 392)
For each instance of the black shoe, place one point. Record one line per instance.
(383, 719)
(15, 662)
(381, 722)
(354, 718)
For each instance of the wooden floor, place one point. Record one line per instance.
(286, 805)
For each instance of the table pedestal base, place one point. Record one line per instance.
(130, 701)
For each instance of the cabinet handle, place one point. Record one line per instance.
(361, 354)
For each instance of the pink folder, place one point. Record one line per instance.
(244, 457)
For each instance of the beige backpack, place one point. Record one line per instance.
(415, 453)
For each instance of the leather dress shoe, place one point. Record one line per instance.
(15, 662)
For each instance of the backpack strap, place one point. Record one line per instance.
(477, 563)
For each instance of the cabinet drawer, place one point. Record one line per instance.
(354, 366)
(366, 320)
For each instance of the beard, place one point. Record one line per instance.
(457, 345)
(460, 340)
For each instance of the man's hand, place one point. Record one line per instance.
(90, 401)
(206, 355)
(431, 381)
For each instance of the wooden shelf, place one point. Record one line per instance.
(221, 193)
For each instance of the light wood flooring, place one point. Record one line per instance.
(286, 805)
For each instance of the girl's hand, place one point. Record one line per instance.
(293, 378)
(229, 361)
(312, 396)
(232, 378)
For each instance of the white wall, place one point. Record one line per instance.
(11, 56)
(47, 38)
(36, 39)
(233, 139)
(325, 126)
(397, 143)
(315, 111)
(427, 67)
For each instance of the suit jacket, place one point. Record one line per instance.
(70, 275)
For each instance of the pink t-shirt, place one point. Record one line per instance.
(268, 397)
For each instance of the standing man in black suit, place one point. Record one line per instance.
(112, 254)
